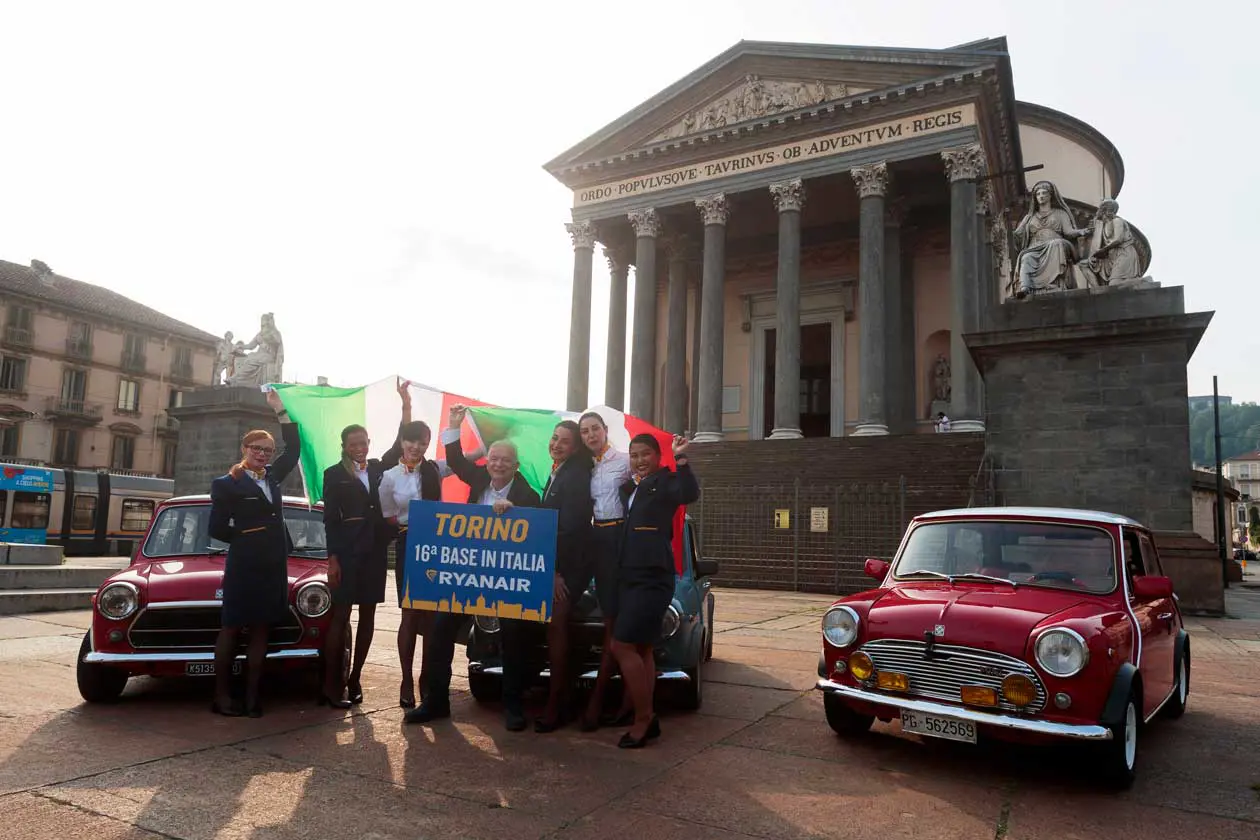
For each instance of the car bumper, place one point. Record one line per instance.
(668, 675)
(98, 658)
(1079, 732)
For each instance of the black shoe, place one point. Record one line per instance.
(514, 720)
(325, 700)
(426, 713)
(403, 703)
(628, 742)
(355, 690)
(255, 711)
(232, 710)
(654, 729)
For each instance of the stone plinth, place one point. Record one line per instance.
(212, 422)
(1087, 404)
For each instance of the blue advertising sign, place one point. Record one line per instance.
(467, 559)
(32, 489)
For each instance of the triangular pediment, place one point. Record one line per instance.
(754, 80)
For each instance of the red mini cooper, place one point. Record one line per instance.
(160, 616)
(1031, 624)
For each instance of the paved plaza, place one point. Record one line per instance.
(757, 761)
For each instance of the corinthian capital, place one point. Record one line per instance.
(871, 180)
(964, 163)
(645, 222)
(788, 195)
(582, 233)
(714, 210)
(986, 199)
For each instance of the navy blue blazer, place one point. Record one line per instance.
(568, 492)
(648, 541)
(240, 514)
(352, 513)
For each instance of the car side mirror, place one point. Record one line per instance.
(1152, 586)
(706, 568)
(876, 568)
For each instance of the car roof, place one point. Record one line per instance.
(296, 501)
(1096, 516)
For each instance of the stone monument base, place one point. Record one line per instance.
(212, 422)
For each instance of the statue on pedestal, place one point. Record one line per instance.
(942, 387)
(1047, 257)
(224, 359)
(265, 364)
(1113, 253)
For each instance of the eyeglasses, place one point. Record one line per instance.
(261, 450)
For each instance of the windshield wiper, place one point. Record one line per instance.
(986, 577)
(940, 575)
(216, 550)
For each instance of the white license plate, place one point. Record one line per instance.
(936, 726)
(206, 669)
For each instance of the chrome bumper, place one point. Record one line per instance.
(1080, 732)
(188, 656)
(668, 676)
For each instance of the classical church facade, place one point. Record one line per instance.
(813, 230)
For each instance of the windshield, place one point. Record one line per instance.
(182, 530)
(1034, 553)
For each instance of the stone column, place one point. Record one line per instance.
(789, 197)
(583, 236)
(615, 370)
(679, 249)
(694, 402)
(872, 183)
(646, 226)
(963, 165)
(713, 211)
(899, 337)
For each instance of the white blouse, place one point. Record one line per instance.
(610, 472)
(399, 487)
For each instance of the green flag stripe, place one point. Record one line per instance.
(321, 412)
(529, 429)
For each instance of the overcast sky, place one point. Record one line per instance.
(371, 172)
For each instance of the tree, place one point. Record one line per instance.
(1253, 525)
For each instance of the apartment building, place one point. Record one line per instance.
(86, 374)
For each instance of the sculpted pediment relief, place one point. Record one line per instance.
(756, 97)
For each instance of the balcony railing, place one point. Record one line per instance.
(17, 336)
(181, 370)
(73, 410)
(133, 362)
(79, 348)
(166, 425)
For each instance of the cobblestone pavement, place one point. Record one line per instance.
(758, 761)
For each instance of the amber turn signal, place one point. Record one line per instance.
(892, 681)
(974, 695)
(861, 666)
(1018, 690)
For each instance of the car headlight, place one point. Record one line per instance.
(1061, 652)
(487, 623)
(670, 623)
(314, 599)
(118, 600)
(840, 626)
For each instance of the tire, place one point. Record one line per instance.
(485, 688)
(1118, 757)
(708, 627)
(1181, 692)
(98, 683)
(693, 690)
(842, 719)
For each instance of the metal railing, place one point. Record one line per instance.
(79, 348)
(19, 336)
(61, 407)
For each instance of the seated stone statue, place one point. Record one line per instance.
(1044, 238)
(263, 366)
(1113, 252)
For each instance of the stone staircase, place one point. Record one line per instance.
(49, 588)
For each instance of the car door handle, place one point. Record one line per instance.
(1164, 616)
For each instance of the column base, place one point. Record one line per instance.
(870, 430)
(707, 437)
(966, 425)
(785, 434)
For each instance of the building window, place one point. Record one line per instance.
(168, 459)
(79, 340)
(66, 447)
(1244, 470)
(84, 513)
(13, 374)
(128, 396)
(136, 514)
(133, 352)
(9, 439)
(175, 399)
(30, 510)
(18, 326)
(74, 386)
(181, 363)
(122, 453)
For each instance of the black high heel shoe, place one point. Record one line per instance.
(325, 700)
(230, 711)
(654, 729)
(255, 711)
(629, 742)
(355, 690)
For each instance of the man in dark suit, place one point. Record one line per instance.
(500, 485)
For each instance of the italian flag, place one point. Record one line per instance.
(322, 411)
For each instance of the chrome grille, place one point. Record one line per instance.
(196, 628)
(942, 678)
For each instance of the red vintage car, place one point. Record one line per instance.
(1030, 624)
(160, 616)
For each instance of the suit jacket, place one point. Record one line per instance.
(478, 479)
(352, 513)
(568, 491)
(240, 514)
(649, 529)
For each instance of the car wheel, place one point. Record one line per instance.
(842, 719)
(708, 627)
(98, 683)
(693, 690)
(485, 688)
(1118, 764)
(1181, 691)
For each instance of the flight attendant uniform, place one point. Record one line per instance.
(610, 472)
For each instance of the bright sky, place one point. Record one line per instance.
(371, 172)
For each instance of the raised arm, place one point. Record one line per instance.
(682, 486)
(464, 469)
(394, 454)
(288, 459)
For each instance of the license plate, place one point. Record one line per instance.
(936, 726)
(206, 669)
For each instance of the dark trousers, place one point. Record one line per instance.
(439, 653)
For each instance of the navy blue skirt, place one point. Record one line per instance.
(255, 589)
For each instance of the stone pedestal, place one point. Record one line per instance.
(212, 422)
(1087, 404)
